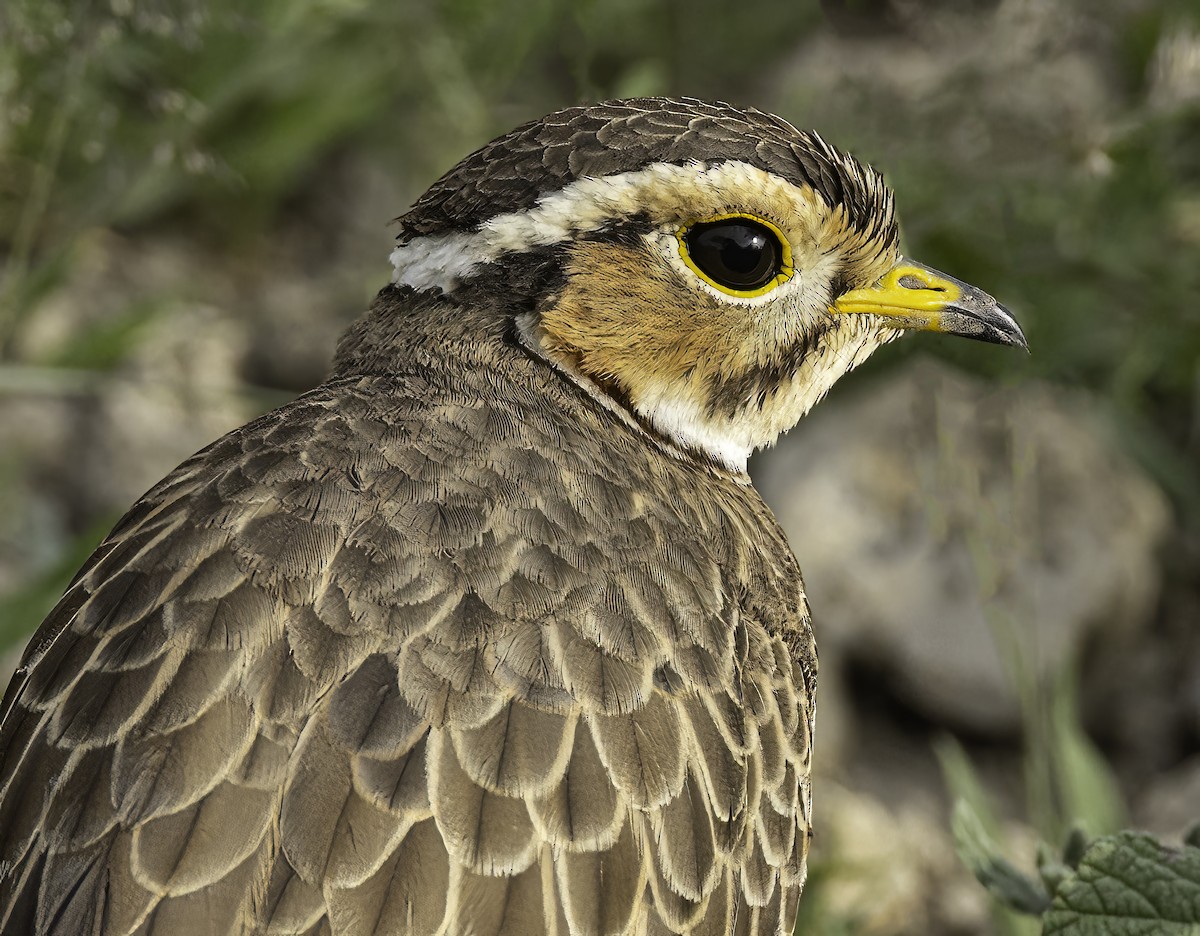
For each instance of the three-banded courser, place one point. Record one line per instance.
(489, 633)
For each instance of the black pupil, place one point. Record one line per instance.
(737, 253)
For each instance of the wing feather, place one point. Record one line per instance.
(365, 667)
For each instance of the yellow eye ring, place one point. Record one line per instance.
(740, 254)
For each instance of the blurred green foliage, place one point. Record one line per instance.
(139, 109)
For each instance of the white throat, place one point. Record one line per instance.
(730, 439)
(682, 427)
(686, 423)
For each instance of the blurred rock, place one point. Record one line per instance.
(1169, 805)
(951, 531)
(1005, 58)
(121, 405)
(1141, 698)
(131, 367)
(1192, 697)
(319, 273)
(889, 870)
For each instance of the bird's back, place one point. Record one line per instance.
(442, 646)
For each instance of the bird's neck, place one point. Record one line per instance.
(719, 422)
(406, 328)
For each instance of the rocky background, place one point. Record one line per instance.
(1001, 551)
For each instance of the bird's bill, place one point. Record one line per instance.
(912, 295)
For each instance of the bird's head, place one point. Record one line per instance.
(710, 270)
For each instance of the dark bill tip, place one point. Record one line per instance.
(984, 320)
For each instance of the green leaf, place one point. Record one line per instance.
(976, 828)
(1129, 885)
(963, 784)
(1086, 784)
(979, 852)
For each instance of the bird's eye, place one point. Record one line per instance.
(740, 255)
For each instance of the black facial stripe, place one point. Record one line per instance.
(521, 278)
(728, 396)
(627, 231)
(840, 283)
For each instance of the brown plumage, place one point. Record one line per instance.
(463, 641)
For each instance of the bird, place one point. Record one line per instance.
(489, 633)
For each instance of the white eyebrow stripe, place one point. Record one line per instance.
(659, 190)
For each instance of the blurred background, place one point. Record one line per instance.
(1002, 551)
